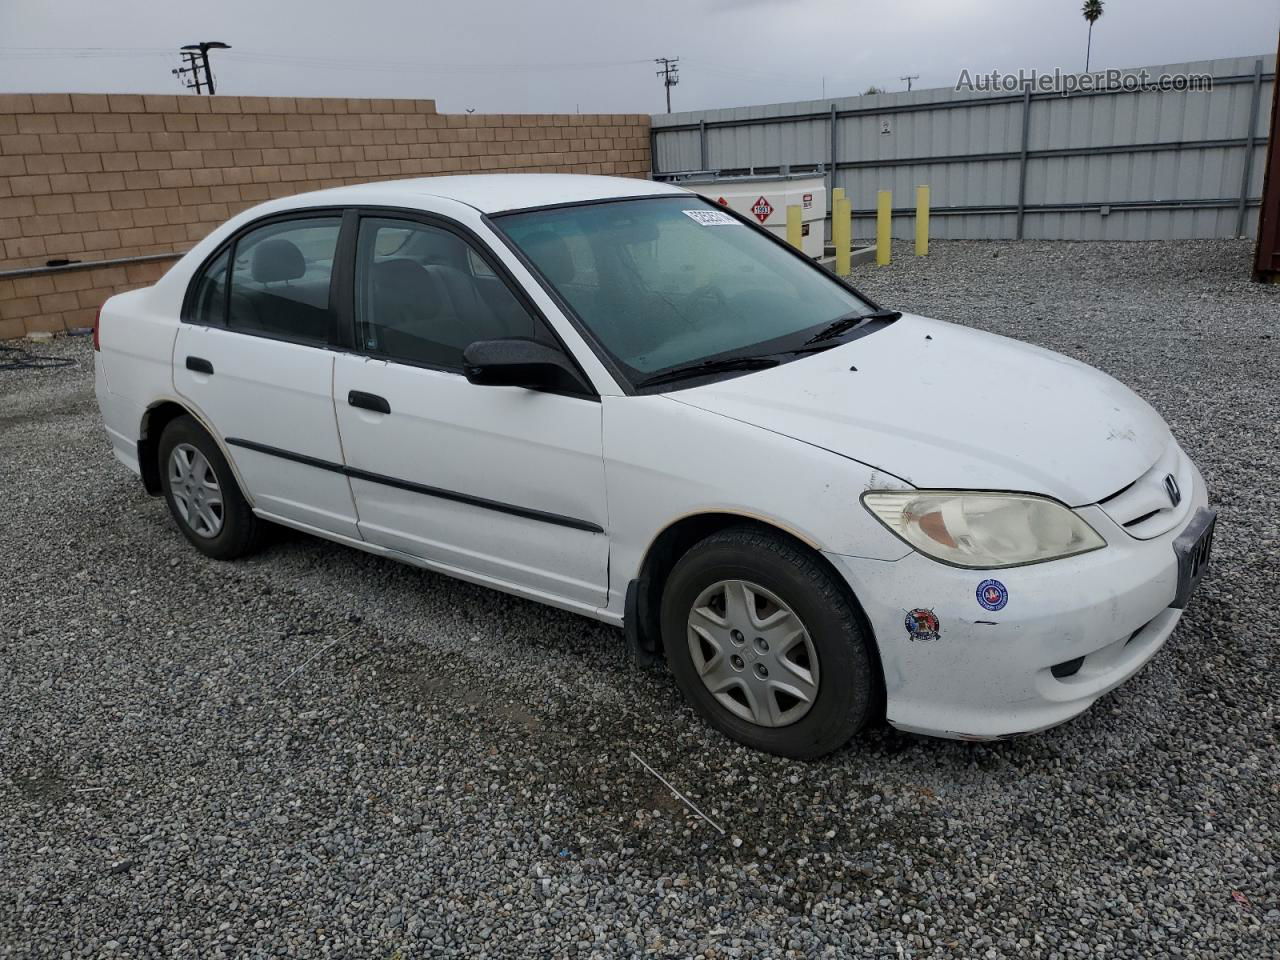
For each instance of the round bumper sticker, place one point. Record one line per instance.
(992, 595)
(922, 625)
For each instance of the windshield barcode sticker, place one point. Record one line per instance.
(711, 218)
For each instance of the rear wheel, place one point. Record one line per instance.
(202, 493)
(764, 641)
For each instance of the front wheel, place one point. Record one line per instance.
(764, 642)
(202, 493)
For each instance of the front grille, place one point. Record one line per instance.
(1144, 507)
(1137, 520)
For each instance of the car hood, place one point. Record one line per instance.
(945, 406)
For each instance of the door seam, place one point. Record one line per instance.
(342, 449)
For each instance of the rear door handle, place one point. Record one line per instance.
(368, 401)
(199, 365)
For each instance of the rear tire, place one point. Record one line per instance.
(765, 642)
(203, 495)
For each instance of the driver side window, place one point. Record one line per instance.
(420, 297)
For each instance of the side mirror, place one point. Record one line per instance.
(518, 362)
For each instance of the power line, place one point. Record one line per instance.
(78, 53)
(670, 74)
(419, 66)
(193, 74)
(269, 58)
(87, 49)
(737, 69)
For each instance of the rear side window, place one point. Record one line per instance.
(280, 278)
(209, 302)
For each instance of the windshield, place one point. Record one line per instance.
(669, 281)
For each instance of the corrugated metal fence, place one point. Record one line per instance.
(1099, 165)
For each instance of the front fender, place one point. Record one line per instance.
(667, 461)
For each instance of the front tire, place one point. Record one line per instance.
(765, 643)
(202, 493)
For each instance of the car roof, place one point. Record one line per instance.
(490, 193)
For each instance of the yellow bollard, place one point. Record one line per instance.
(837, 194)
(842, 235)
(884, 226)
(795, 226)
(922, 220)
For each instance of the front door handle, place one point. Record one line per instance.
(368, 401)
(199, 365)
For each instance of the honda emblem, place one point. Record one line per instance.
(1171, 488)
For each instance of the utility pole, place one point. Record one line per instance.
(670, 74)
(909, 77)
(195, 59)
(189, 68)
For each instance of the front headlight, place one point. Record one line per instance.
(983, 530)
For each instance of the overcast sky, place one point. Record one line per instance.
(594, 55)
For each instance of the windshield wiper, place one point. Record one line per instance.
(709, 366)
(759, 361)
(848, 321)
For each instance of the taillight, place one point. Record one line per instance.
(97, 322)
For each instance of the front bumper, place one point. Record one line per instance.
(990, 674)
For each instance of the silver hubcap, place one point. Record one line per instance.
(195, 490)
(753, 653)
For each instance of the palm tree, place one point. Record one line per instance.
(1092, 10)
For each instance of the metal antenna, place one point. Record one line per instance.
(195, 57)
(670, 74)
(909, 77)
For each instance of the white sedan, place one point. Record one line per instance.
(617, 398)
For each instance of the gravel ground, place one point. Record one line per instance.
(320, 753)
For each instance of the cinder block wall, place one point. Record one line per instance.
(94, 177)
